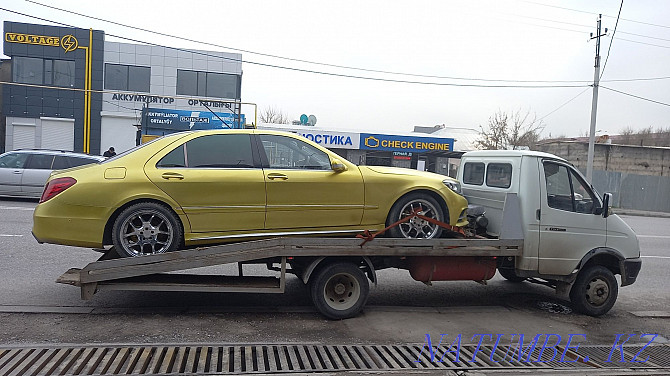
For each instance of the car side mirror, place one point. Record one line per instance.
(337, 165)
(606, 205)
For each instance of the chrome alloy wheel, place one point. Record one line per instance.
(342, 291)
(418, 228)
(146, 232)
(597, 291)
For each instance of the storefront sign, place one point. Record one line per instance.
(184, 120)
(68, 42)
(336, 140)
(405, 143)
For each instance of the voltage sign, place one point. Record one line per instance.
(68, 42)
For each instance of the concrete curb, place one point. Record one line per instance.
(640, 213)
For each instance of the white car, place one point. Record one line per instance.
(24, 172)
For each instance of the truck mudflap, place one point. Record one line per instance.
(629, 270)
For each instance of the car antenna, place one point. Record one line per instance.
(217, 116)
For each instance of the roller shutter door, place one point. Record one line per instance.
(24, 137)
(57, 134)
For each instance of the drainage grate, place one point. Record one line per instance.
(237, 359)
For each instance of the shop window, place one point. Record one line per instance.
(499, 175)
(127, 77)
(32, 70)
(28, 70)
(473, 173)
(210, 84)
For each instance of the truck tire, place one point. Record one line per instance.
(510, 275)
(146, 228)
(339, 290)
(416, 228)
(595, 291)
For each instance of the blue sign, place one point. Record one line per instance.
(405, 143)
(184, 120)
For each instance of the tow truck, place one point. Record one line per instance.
(534, 218)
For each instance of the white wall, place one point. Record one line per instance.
(117, 130)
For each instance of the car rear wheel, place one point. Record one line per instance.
(339, 290)
(416, 227)
(146, 229)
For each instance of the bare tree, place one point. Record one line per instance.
(273, 116)
(513, 130)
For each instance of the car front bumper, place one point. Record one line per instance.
(630, 268)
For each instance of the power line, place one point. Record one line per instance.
(326, 73)
(359, 77)
(335, 65)
(587, 12)
(635, 96)
(611, 40)
(638, 42)
(564, 104)
(278, 56)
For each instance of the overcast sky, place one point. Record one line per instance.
(491, 40)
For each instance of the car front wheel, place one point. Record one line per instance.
(416, 227)
(595, 291)
(145, 229)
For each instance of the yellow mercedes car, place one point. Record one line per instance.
(207, 187)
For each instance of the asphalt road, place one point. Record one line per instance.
(35, 309)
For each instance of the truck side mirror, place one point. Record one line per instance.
(606, 205)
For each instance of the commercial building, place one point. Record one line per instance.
(76, 91)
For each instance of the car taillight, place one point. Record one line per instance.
(55, 187)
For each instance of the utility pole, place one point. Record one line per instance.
(594, 103)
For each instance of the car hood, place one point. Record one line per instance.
(404, 172)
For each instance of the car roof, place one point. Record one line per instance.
(57, 152)
(510, 153)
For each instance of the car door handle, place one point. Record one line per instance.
(172, 175)
(18, 172)
(274, 176)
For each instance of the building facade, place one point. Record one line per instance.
(73, 90)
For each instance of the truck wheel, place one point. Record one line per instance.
(416, 228)
(339, 290)
(510, 275)
(145, 229)
(594, 291)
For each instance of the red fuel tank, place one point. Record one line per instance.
(431, 268)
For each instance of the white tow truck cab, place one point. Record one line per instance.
(571, 240)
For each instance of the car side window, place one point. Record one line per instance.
(583, 196)
(212, 151)
(14, 160)
(60, 163)
(289, 153)
(175, 158)
(40, 162)
(499, 175)
(78, 161)
(473, 173)
(566, 190)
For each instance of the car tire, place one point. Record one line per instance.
(144, 229)
(595, 291)
(339, 290)
(510, 275)
(416, 227)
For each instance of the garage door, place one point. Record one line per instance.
(58, 134)
(24, 137)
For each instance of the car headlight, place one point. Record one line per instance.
(453, 185)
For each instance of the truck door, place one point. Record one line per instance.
(569, 227)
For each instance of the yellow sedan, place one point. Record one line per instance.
(208, 187)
